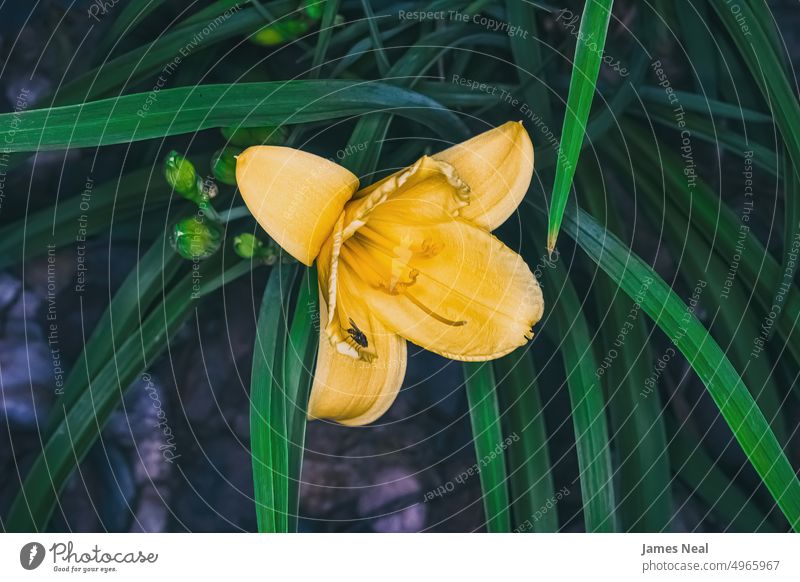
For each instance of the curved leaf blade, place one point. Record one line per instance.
(269, 438)
(138, 117)
(586, 67)
(484, 413)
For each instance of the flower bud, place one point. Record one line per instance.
(249, 136)
(223, 165)
(248, 246)
(280, 32)
(181, 175)
(196, 237)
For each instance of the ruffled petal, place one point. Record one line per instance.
(427, 187)
(347, 323)
(469, 297)
(497, 165)
(294, 195)
(355, 391)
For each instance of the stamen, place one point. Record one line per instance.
(359, 261)
(422, 247)
(392, 278)
(433, 314)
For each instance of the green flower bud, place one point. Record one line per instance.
(280, 32)
(181, 175)
(248, 136)
(314, 8)
(197, 237)
(223, 165)
(248, 246)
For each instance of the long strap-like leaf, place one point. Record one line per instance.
(189, 109)
(484, 413)
(529, 469)
(269, 438)
(298, 371)
(588, 56)
(639, 433)
(570, 332)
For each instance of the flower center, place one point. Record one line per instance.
(388, 264)
(382, 240)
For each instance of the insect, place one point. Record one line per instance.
(358, 336)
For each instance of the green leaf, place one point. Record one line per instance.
(790, 175)
(362, 47)
(209, 13)
(698, 43)
(638, 427)
(529, 469)
(701, 105)
(370, 131)
(569, 331)
(586, 67)
(375, 34)
(167, 51)
(130, 15)
(269, 431)
(298, 372)
(326, 27)
(190, 109)
(701, 127)
(484, 413)
(527, 53)
(703, 354)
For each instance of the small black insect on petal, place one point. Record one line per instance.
(358, 336)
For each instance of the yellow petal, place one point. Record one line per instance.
(353, 391)
(295, 196)
(497, 166)
(428, 186)
(471, 298)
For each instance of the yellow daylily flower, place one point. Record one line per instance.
(411, 258)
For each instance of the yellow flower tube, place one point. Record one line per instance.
(411, 258)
